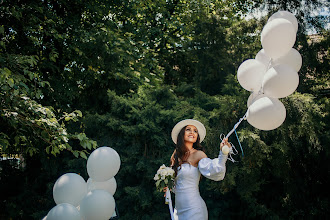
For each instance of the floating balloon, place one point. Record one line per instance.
(263, 58)
(254, 97)
(64, 211)
(266, 113)
(278, 37)
(286, 15)
(97, 205)
(280, 81)
(103, 164)
(292, 58)
(69, 188)
(109, 185)
(250, 74)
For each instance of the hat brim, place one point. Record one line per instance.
(177, 128)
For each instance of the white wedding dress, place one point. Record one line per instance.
(189, 205)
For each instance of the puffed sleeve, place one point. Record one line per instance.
(214, 169)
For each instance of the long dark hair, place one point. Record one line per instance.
(181, 152)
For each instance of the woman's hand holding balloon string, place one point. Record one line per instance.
(225, 142)
(227, 148)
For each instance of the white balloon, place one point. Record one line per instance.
(278, 37)
(69, 188)
(254, 97)
(286, 15)
(280, 81)
(108, 185)
(250, 74)
(263, 58)
(63, 211)
(103, 164)
(97, 205)
(292, 58)
(266, 113)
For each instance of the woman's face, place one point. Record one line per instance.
(190, 134)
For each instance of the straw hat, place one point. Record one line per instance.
(177, 128)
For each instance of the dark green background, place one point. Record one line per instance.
(133, 69)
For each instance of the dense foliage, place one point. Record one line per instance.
(80, 74)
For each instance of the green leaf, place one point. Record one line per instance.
(78, 112)
(83, 143)
(76, 153)
(89, 145)
(10, 82)
(83, 155)
(81, 136)
(68, 147)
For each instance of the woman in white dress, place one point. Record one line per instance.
(189, 161)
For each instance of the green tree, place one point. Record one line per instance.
(129, 70)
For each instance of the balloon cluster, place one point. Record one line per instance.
(273, 74)
(77, 199)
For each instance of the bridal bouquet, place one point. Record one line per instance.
(164, 178)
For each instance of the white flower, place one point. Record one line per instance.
(156, 177)
(162, 167)
(163, 173)
(169, 171)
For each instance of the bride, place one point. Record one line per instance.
(189, 161)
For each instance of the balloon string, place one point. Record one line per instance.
(240, 120)
(239, 144)
(236, 125)
(245, 115)
(232, 151)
